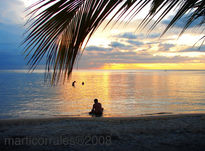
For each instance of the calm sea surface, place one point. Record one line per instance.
(121, 93)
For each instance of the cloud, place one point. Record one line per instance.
(92, 60)
(12, 11)
(182, 21)
(194, 49)
(165, 47)
(132, 57)
(127, 35)
(120, 46)
(130, 35)
(135, 43)
(155, 35)
(96, 48)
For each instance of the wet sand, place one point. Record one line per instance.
(157, 132)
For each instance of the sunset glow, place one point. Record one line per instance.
(156, 66)
(119, 46)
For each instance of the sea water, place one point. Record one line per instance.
(122, 93)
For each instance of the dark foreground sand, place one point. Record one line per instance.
(164, 132)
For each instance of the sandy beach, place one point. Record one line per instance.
(156, 132)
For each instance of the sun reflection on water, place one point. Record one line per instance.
(121, 93)
(79, 99)
(131, 93)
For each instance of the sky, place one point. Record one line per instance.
(119, 47)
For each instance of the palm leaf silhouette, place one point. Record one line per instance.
(58, 28)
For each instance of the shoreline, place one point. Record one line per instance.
(90, 118)
(158, 132)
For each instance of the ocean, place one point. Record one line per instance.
(122, 93)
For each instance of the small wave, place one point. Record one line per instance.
(66, 115)
(159, 113)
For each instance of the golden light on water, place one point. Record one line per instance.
(80, 98)
(130, 93)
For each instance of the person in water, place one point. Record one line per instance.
(97, 108)
(73, 84)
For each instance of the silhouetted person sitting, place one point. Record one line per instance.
(97, 109)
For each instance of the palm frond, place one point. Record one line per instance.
(58, 28)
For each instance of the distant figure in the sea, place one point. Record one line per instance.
(82, 83)
(73, 84)
(97, 109)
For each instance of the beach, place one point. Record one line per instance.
(169, 132)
